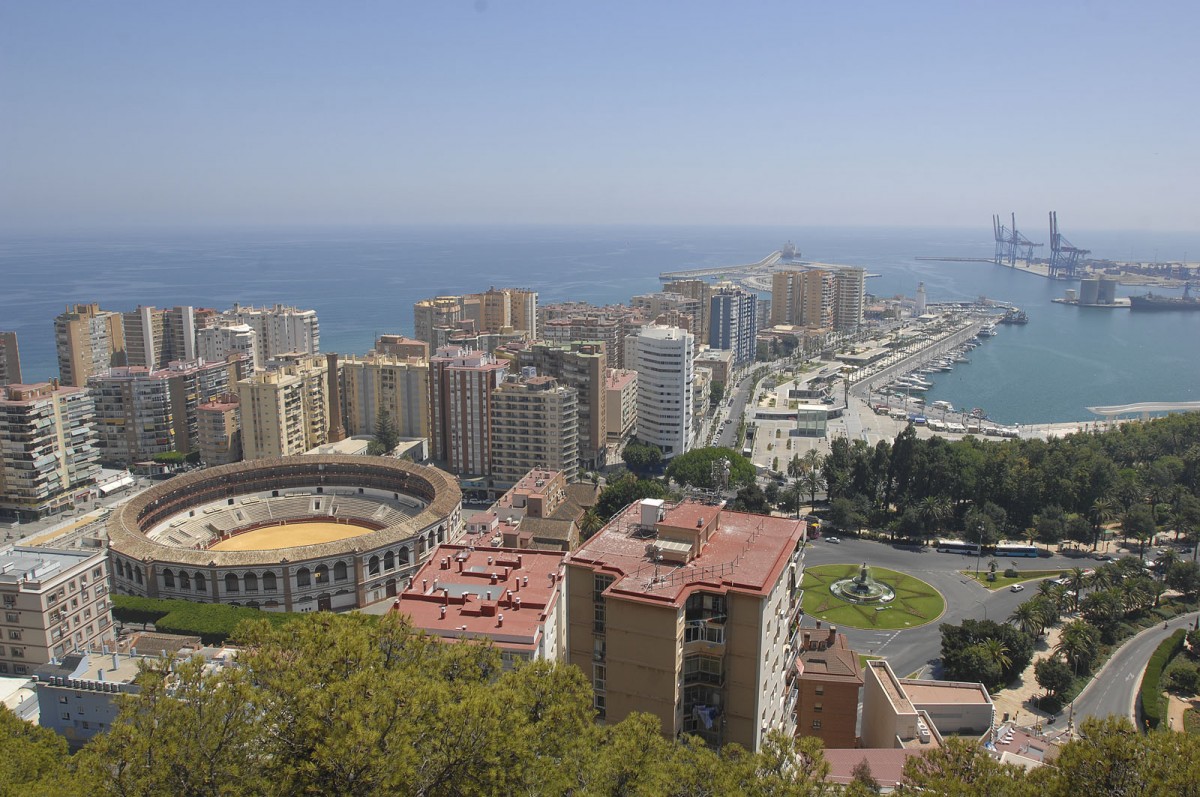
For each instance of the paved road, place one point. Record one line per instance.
(1114, 688)
(918, 649)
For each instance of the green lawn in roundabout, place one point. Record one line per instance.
(916, 603)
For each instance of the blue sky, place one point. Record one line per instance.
(887, 113)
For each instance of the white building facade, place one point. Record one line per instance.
(663, 358)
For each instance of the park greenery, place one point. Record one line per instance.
(1151, 686)
(214, 623)
(346, 705)
(386, 437)
(695, 468)
(915, 603)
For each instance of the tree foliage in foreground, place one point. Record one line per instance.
(343, 705)
(694, 468)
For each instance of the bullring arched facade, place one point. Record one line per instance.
(159, 541)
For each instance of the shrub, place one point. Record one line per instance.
(212, 622)
(1184, 680)
(1010, 572)
(1151, 681)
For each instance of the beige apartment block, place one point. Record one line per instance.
(701, 291)
(582, 365)
(535, 424)
(143, 412)
(849, 298)
(219, 343)
(89, 341)
(802, 298)
(55, 602)
(441, 312)
(621, 387)
(503, 310)
(690, 612)
(402, 347)
(382, 382)
(48, 455)
(143, 337)
(219, 429)
(541, 511)
(285, 412)
(10, 359)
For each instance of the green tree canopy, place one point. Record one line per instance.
(622, 492)
(695, 468)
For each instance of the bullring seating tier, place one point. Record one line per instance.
(215, 520)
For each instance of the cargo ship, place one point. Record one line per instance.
(1159, 303)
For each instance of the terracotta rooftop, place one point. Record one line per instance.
(743, 552)
(474, 593)
(887, 765)
(832, 663)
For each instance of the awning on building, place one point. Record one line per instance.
(113, 486)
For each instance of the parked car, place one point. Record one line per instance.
(1017, 588)
(834, 540)
(1102, 557)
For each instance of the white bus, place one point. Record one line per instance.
(1016, 549)
(958, 546)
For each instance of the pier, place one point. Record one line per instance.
(693, 273)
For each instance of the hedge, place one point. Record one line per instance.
(1151, 691)
(212, 622)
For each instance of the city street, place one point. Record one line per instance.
(917, 650)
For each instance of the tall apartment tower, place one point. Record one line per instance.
(700, 291)
(849, 285)
(280, 329)
(218, 343)
(669, 304)
(89, 340)
(802, 298)
(284, 412)
(143, 412)
(143, 337)
(10, 359)
(179, 335)
(562, 331)
(441, 312)
(461, 382)
(47, 448)
(663, 358)
(690, 612)
(381, 382)
(535, 424)
(582, 365)
(733, 322)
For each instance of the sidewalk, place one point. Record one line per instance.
(1015, 700)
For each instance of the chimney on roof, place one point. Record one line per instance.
(495, 578)
(519, 560)
(806, 638)
(526, 580)
(489, 594)
(499, 621)
(489, 560)
(116, 661)
(518, 601)
(832, 634)
(100, 674)
(443, 612)
(460, 565)
(424, 585)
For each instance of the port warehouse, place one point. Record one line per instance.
(161, 542)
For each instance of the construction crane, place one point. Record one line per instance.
(1064, 257)
(1011, 245)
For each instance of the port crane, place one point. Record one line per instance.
(1064, 257)
(1011, 245)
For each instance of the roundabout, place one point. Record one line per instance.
(859, 596)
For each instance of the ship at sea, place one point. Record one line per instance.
(1158, 303)
(1014, 315)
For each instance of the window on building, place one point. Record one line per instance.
(14, 635)
(65, 716)
(12, 617)
(339, 571)
(200, 582)
(820, 690)
(17, 653)
(303, 577)
(20, 669)
(816, 724)
(62, 699)
(3, 668)
(268, 582)
(168, 579)
(818, 707)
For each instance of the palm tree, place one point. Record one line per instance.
(997, 651)
(1103, 510)
(1079, 643)
(1031, 535)
(1078, 579)
(934, 511)
(1028, 618)
(590, 523)
(813, 481)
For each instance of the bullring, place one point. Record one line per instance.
(379, 519)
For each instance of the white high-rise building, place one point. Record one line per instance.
(662, 357)
(280, 329)
(215, 344)
(921, 299)
(849, 298)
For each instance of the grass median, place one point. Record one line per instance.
(916, 602)
(1002, 581)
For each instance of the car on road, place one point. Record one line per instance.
(1017, 588)
(1101, 557)
(834, 540)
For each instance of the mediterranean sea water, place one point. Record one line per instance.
(363, 282)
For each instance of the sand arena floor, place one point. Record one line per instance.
(289, 535)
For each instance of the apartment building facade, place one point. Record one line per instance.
(849, 286)
(219, 430)
(701, 291)
(534, 424)
(733, 322)
(10, 359)
(690, 612)
(582, 365)
(215, 343)
(461, 382)
(663, 358)
(382, 382)
(802, 298)
(280, 329)
(88, 341)
(284, 412)
(54, 602)
(621, 387)
(48, 449)
(439, 313)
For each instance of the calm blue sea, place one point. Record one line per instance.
(363, 283)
